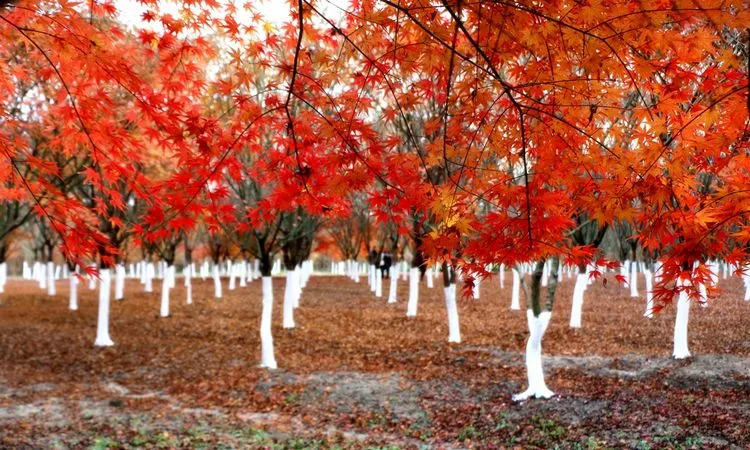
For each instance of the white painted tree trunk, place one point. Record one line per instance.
(150, 273)
(475, 289)
(189, 284)
(102, 322)
(404, 271)
(232, 269)
(42, 276)
(217, 281)
(267, 359)
(165, 286)
(355, 268)
(371, 277)
(411, 307)
(649, 293)
(305, 273)
(625, 271)
(681, 350)
(297, 277)
(73, 281)
(119, 282)
(92, 282)
(633, 279)
(394, 283)
(515, 302)
(51, 285)
(535, 375)
(454, 332)
(746, 280)
(289, 293)
(501, 274)
(141, 271)
(26, 271)
(576, 312)
(545, 274)
(4, 276)
(378, 283)
(430, 281)
(243, 273)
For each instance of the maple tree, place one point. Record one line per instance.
(491, 132)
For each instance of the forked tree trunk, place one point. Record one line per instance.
(534, 373)
(267, 359)
(538, 320)
(102, 323)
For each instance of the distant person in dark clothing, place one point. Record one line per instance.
(386, 260)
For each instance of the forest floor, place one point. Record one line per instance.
(356, 373)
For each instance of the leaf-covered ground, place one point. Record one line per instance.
(356, 373)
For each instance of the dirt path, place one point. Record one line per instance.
(399, 412)
(356, 373)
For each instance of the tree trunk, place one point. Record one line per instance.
(217, 280)
(150, 273)
(411, 307)
(515, 302)
(189, 284)
(680, 350)
(289, 292)
(634, 279)
(649, 293)
(297, 287)
(578, 292)
(102, 323)
(119, 282)
(394, 283)
(535, 375)
(232, 269)
(165, 286)
(454, 333)
(538, 321)
(73, 280)
(267, 360)
(51, 285)
(378, 283)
